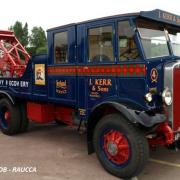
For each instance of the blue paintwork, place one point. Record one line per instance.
(126, 90)
(162, 16)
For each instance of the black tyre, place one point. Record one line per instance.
(120, 147)
(10, 117)
(24, 120)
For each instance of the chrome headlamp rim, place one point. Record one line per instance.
(167, 96)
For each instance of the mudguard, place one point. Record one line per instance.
(135, 116)
(8, 96)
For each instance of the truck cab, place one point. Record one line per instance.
(118, 76)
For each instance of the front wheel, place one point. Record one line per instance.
(120, 147)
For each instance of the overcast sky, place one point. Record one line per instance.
(52, 13)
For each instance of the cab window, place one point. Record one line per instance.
(100, 42)
(126, 44)
(153, 38)
(61, 47)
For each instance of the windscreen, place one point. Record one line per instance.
(174, 35)
(153, 38)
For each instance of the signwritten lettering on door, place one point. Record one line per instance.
(98, 86)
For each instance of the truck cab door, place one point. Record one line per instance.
(61, 65)
(96, 63)
(131, 68)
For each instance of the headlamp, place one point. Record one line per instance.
(167, 97)
(148, 97)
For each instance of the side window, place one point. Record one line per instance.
(61, 47)
(126, 44)
(100, 42)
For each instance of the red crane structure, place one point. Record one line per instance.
(13, 56)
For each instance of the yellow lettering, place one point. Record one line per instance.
(167, 16)
(109, 82)
(103, 89)
(61, 84)
(101, 82)
(61, 91)
(96, 82)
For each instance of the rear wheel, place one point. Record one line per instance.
(121, 148)
(10, 117)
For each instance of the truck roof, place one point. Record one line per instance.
(157, 15)
(97, 19)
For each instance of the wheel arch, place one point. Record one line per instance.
(4, 94)
(133, 116)
(97, 113)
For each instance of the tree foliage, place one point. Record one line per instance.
(35, 42)
(21, 32)
(25, 37)
(38, 40)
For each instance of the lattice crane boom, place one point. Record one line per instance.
(13, 56)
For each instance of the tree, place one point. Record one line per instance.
(38, 40)
(25, 38)
(36, 43)
(21, 32)
(41, 50)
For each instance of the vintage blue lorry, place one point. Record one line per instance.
(118, 76)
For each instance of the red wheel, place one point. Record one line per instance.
(7, 117)
(121, 148)
(116, 147)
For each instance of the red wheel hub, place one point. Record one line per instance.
(7, 116)
(116, 147)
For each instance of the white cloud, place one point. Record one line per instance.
(51, 13)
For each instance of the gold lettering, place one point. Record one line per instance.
(109, 82)
(61, 91)
(61, 84)
(103, 89)
(96, 82)
(82, 111)
(167, 16)
(102, 82)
